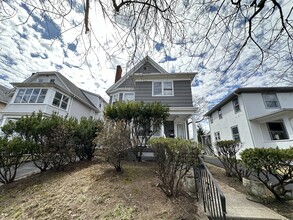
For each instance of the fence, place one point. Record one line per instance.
(214, 201)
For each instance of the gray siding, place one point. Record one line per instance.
(147, 68)
(127, 83)
(182, 94)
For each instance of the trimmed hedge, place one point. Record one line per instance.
(268, 163)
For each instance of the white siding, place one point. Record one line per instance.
(230, 119)
(255, 106)
(78, 110)
(254, 132)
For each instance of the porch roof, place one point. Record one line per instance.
(272, 115)
(182, 113)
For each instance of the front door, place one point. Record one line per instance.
(169, 129)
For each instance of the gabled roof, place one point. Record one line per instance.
(3, 94)
(70, 87)
(134, 69)
(238, 91)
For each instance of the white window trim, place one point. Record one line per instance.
(220, 113)
(233, 134)
(277, 100)
(128, 93)
(162, 90)
(184, 129)
(28, 102)
(217, 136)
(123, 96)
(234, 106)
(284, 130)
(61, 100)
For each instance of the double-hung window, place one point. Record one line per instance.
(217, 136)
(236, 105)
(220, 113)
(164, 88)
(60, 100)
(30, 96)
(271, 100)
(277, 130)
(235, 133)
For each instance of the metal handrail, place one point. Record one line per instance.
(214, 201)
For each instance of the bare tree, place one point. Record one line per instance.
(213, 33)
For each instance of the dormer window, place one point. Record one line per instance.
(163, 88)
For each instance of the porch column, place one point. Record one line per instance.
(162, 130)
(288, 127)
(194, 128)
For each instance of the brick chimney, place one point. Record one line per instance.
(118, 73)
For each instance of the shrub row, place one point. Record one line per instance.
(51, 142)
(272, 166)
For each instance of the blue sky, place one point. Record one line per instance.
(41, 44)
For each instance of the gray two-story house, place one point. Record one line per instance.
(147, 81)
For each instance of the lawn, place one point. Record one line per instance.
(93, 190)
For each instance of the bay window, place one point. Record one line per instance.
(30, 96)
(60, 100)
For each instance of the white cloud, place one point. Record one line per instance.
(96, 71)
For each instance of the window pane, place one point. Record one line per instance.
(180, 131)
(64, 102)
(271, 100)
(26, 96)
(157, 90)
(235, 133)
(129, 96)
(236, 105)
(168, 90)
(34, 95)
(277, 131)
(57, 99)
(42, 96)
(220, 113)
(19, 96)
(271, 104)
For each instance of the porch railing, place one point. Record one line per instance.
(213, 199)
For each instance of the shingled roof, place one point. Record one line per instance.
(4, 98)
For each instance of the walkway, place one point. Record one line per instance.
(238, 207)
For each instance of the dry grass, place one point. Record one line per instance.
(283, 208)
(92, 190)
